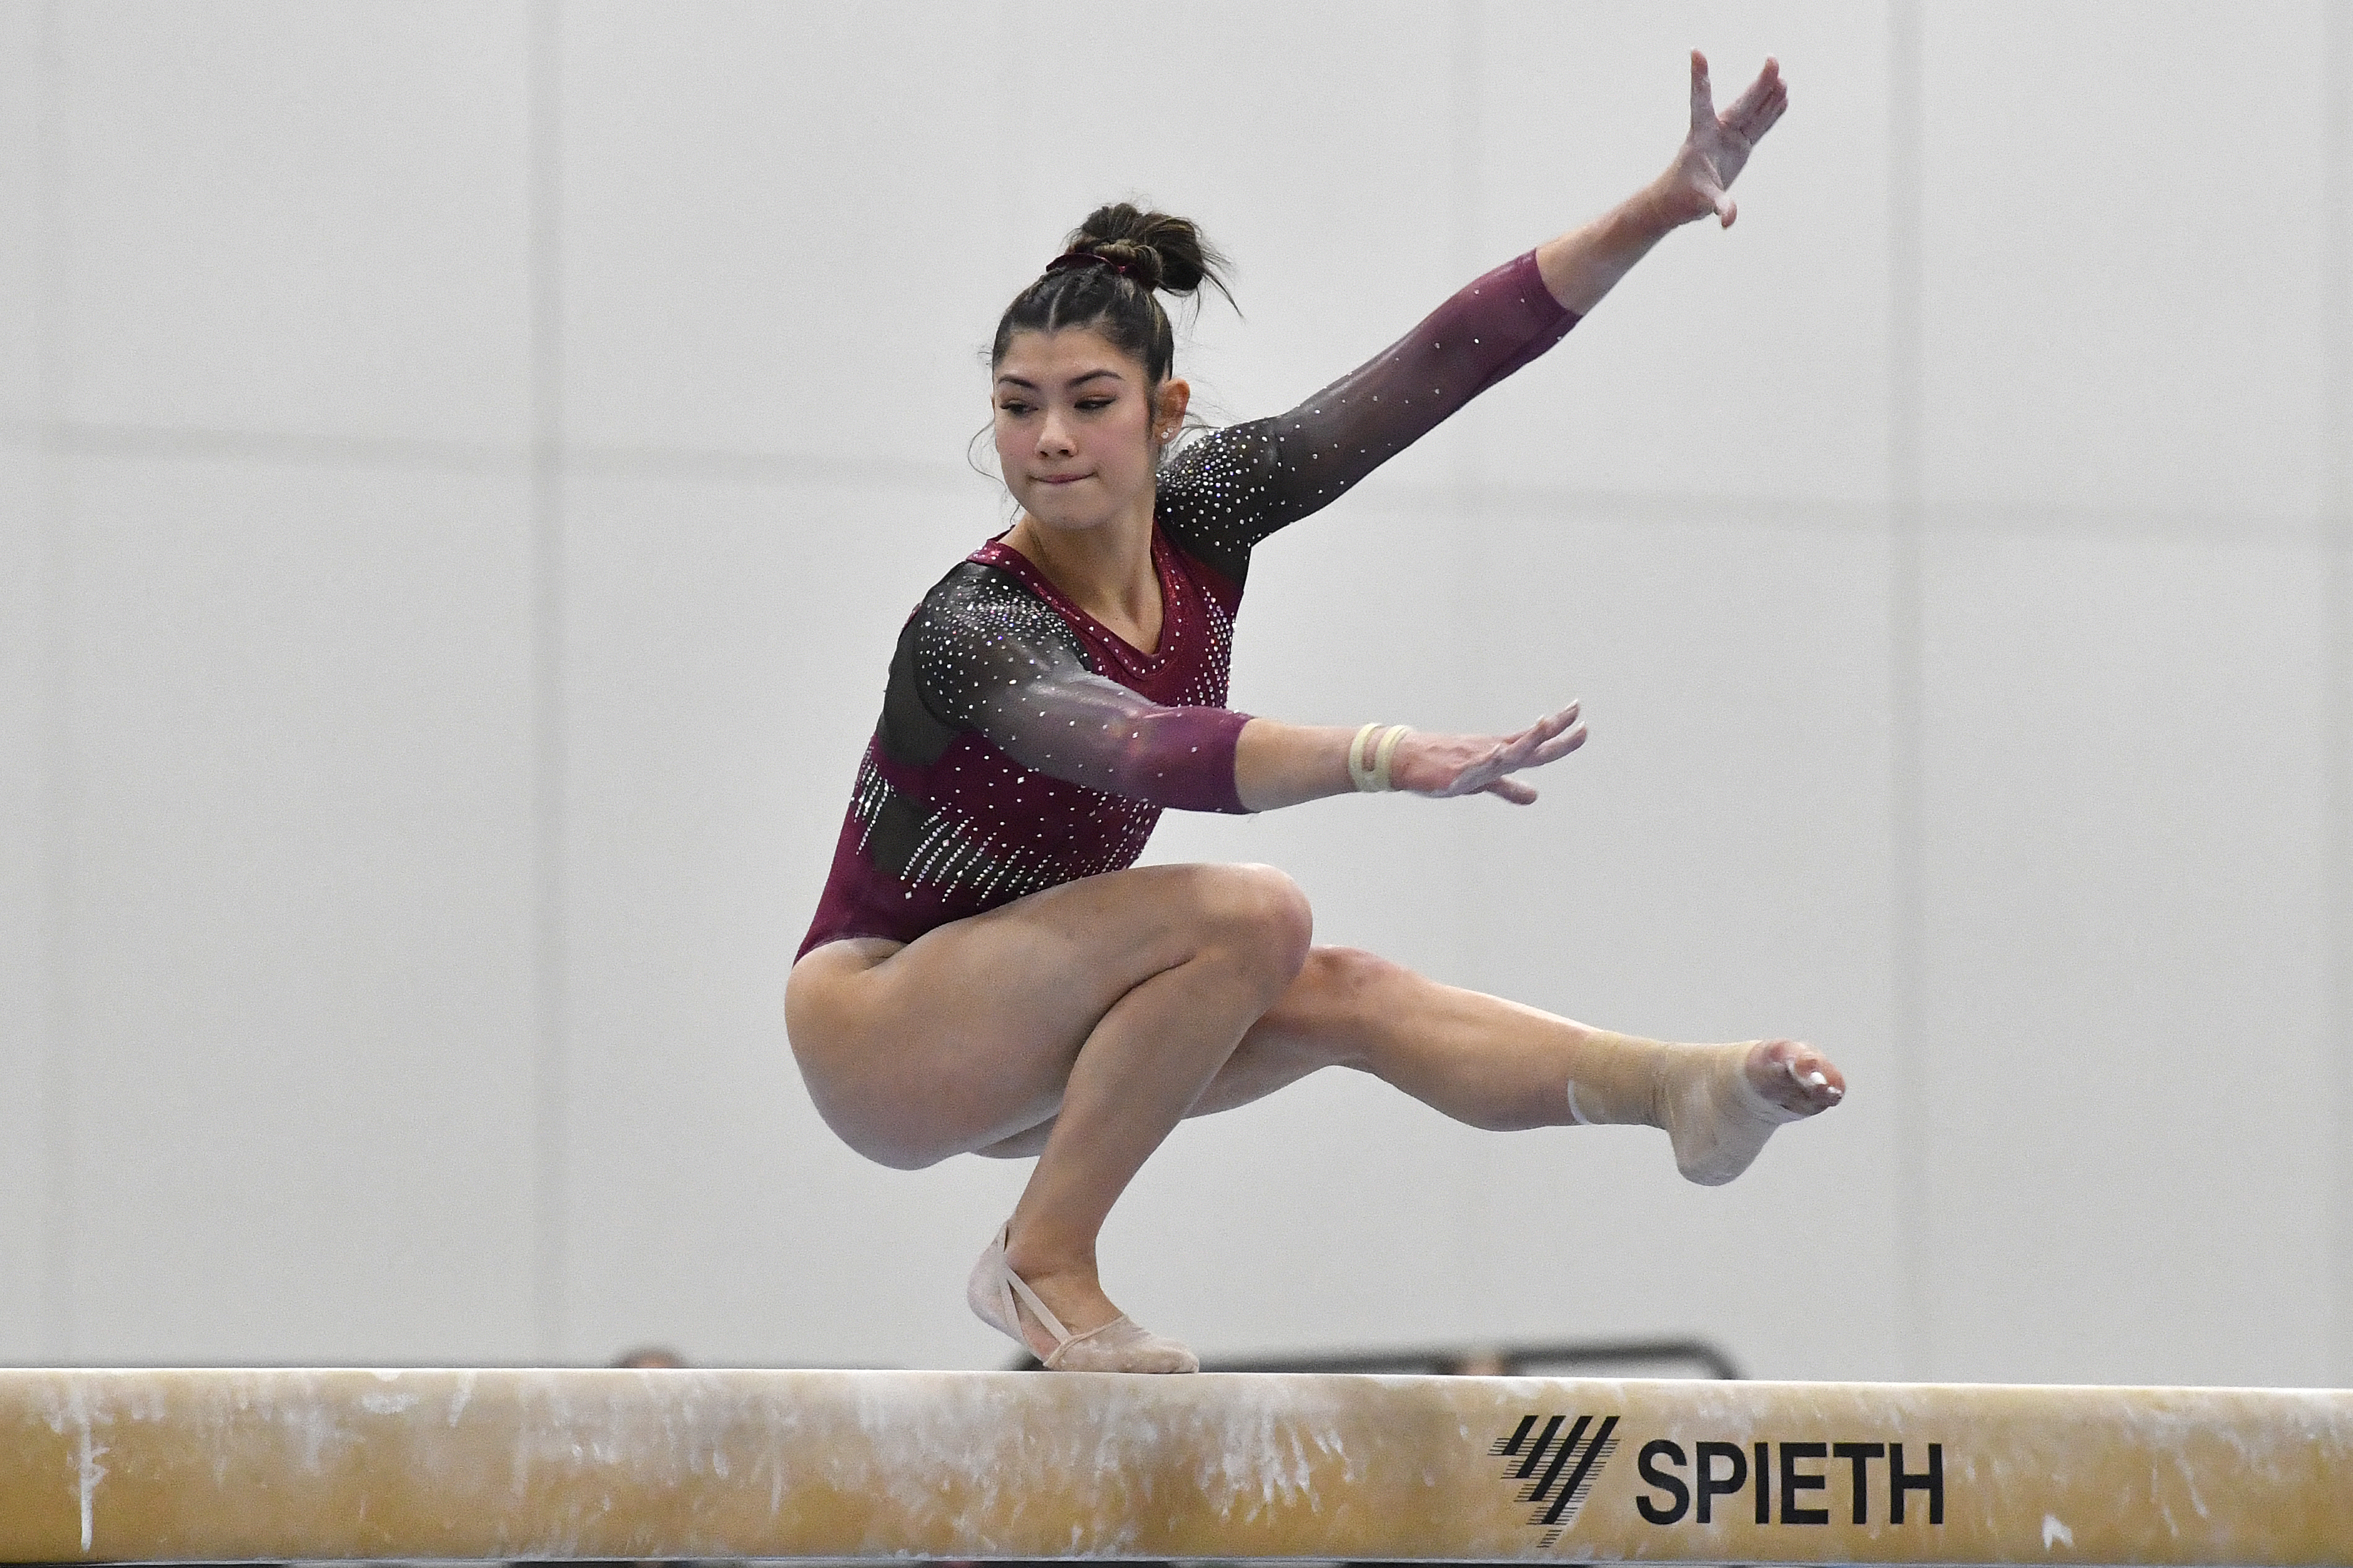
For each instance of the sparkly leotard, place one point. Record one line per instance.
(1024, 744)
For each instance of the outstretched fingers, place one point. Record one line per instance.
(1719, 145)
(1444, 767)
(1705, 143)
(1519, 751)
(1548, 740)
(1567, 732)
(1549, 751)
(1702, 96)
(1754, 112)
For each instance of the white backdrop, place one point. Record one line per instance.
(462, 466)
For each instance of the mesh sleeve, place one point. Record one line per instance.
(991, 657)
(1231, 488)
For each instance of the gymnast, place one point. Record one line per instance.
(990, 973)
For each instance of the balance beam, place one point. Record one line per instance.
(221, 1466)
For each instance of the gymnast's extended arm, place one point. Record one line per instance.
(1229, 492)
(992, 659)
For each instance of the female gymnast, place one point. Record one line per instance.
(990, 972)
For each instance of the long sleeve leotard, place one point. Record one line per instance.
(1023, 744)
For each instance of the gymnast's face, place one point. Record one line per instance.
(1077, 438)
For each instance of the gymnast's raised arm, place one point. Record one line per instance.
(1374, 411)
(1283, 468)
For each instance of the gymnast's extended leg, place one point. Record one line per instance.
(1502, 1066)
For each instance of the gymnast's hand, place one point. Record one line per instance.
(1442, 766)
(1586, 263)
(1278, 765)
(1699, 182)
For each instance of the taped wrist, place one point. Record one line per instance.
(1370, 756)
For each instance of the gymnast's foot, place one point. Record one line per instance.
(1720, 1103)
(1017, 1306)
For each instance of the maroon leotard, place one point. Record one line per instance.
(1023, 744)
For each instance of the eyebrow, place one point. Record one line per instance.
(1074, 380)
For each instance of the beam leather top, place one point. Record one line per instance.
(221, 1465)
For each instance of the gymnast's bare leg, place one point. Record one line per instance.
(1082, 1024)
(1502, 1066)
(1104, 1005)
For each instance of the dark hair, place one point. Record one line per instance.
(1148, 252)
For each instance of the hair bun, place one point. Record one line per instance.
(1137, 261)
(1087, 285)
(1157, 250)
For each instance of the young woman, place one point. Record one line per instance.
(988, 972)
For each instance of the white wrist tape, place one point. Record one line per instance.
(1369, 758)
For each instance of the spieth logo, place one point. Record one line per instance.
(1678, 1488)
(1554, 1460)
(1556, 1471)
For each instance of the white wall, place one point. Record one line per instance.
(462, 465)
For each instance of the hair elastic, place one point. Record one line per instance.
(1074, 259)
